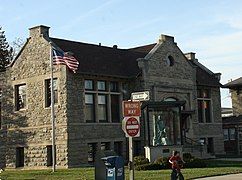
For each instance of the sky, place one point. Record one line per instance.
(210, 28)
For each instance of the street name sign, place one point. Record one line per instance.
(141, 96)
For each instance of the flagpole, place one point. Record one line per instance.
(52, 112)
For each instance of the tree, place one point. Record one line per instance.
(17, 44)
(6, 52)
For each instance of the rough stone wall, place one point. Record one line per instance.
(179, 81)
(236, 101)
(214, 129)
(31, 127)
(80, 133)
(163, 81)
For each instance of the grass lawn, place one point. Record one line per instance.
(88, 173)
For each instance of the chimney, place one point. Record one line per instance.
(115, 46)
(217, 76)
(190, 55)
(164, 38)
(39, 31)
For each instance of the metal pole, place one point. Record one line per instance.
(52, 111)
(131, 159)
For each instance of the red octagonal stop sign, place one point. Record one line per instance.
(132, 126)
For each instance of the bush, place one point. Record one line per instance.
(164, 162)
(140, 160)
(187, 157)
(195, 163)
(149, 166)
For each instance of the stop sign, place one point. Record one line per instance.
(132, 126)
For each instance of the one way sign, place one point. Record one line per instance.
(141, 96)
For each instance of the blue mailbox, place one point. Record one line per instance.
(114, 167)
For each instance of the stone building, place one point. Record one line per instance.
(232, 125)
(183, 111)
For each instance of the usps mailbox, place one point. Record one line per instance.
(114, 167)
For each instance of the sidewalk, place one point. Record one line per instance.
(225, 177)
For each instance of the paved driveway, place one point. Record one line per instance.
(226, 177)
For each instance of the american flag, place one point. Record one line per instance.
(61, 57)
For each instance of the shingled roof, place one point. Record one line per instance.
(101, 60)
(232, 120)
(234, 84)
(112, 61)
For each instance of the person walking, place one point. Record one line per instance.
(177, 164)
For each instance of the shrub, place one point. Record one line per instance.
(163, 162)
(187, 157)
(149, 166)
(140, 160)
(195, 163)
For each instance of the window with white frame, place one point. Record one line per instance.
(204, 106)
(102, 101)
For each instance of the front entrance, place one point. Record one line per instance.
(162, 127)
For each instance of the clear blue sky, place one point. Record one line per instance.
(211, 28)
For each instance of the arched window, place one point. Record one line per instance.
(170, 99)
(170, 60)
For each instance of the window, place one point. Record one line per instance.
(200, 111)
(19, 157)
(101, 85)
(49, 155)
(89, 85)
(210, 145)
(20, 95)
(115, 113)
(89, 108)
(204, 106)
(105, 145)
(167, 131)
(102, 101)
(170, 60)
(102, 108)
(48, 92)
(118, 148)
(92, 148)
(114, 87)
(232, 133)
(226, 134)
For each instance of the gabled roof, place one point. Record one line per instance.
(204, 76)
(115, 62)
(101, 60)
(235, 83)
(144, 49)
(232, 119)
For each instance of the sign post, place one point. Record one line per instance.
(131, 127)
(131, 159)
